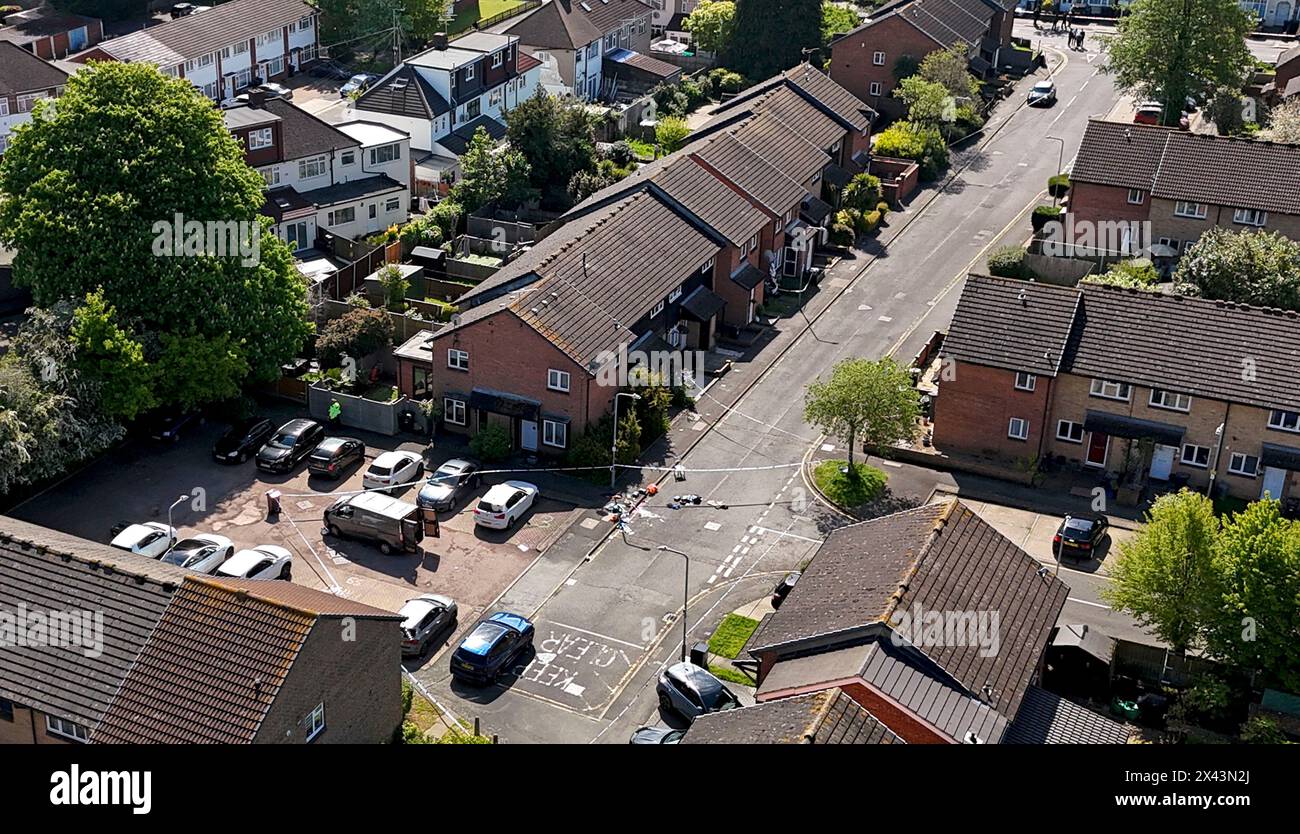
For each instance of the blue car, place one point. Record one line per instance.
(492, 648)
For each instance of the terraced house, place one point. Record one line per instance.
(1143, 386)
(24, 80)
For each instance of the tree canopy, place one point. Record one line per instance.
(491, 174)
(557, 138)
(1260, 268)
(711, 24)
(874, 402)
(770, 36)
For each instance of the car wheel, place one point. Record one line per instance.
(287, 573)
(335, 532)
(385, 548)
(665, 703)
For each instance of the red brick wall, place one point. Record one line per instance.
(904, 724)
(1095, 203)
(851, 58)
(974, 407)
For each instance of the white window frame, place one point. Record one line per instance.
(469, 73)
(1025, 381)
(1136, 196)
(318, 164)
(454, 411)
(241, 47)
(674, 295)
(392, 204)
(383, 154)
(64, 728)
(4, 105)
(557, 380)
(1235, 469)
(272, 176)
(1099, 388)
(1186, 208)
(262, 137)
(316, 721)
(878, 58)
(498, 58)
(657, 309)
(874, 89)
(1024, 428)
(555, 433)
(1249, 217)
(335, 217)
(1277, 419)
(1193, 461)
(1065, 435)
(1181, 402)
(457, 359)
(348, 158)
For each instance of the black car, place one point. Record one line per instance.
(242, 440)
(782, 590)
(447, 485)
(182, 9)
(289, 444)
(168, 425)
(334, 455)
(1080, 535)
(492, 648)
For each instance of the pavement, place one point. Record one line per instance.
(609, 608)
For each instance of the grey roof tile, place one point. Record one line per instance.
(196, 35)
(1012, 324)
(1047, 718)
(826, 717)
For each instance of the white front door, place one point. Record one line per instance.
(1274, 482)
(1162, 462)
(528, 435)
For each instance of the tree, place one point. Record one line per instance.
(1164, 577)
(1136, 275)
(951, 68)
(395, 285)
(711, 25)
(490, 174)
(863, 192)
(837, 20)
(426, 18)
(103, 9)
(1167, 50)
(1225, 110)
(771, 36)
(873, 401)
(357, 333)
(906, 140)
(929, 104)
(1260, 268)
(1283, 123)
(96, 187)
(109, 355)
(556, 136)
(671, 133)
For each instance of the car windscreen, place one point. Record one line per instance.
(181, 558)
(1079, 526)
(376, 469)
(283, 441)
(446, 475)
(481, 640)
(488, 507)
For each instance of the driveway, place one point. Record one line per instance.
(1033, 532)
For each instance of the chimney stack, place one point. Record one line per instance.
(440, 41)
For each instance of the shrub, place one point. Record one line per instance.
(883, 208)
(925, 145)
(841, 235)
(422, 231)
(1261, 730)
(396, 285)
(1043, 215)
(871, 220)
(357, 333)
(1007, 262)
(491, 444)
(669, 100)
(357, 300)
(621, 153)
(862, 192)
(1058, 185)
(446, 216)
(731, 82)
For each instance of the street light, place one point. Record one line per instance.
(1214, 461)
(613, 450)
(686, 589)
(170, 530)
(1060, 162)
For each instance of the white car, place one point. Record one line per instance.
(149, 539)
(504, 504)
(202, 552)
(392, 469)
(422, 618)
(266, 561)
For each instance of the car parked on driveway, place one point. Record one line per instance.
(422, 619)
(393, 469)
(492, 648)
(266, 561)
(202, 553)
(1042, 94)
(334, 455)
(169, 425)
(691, 691)
(1080, 535)
(358, 83)
(448, 484)
(150, 539)
(291, 443)
(504, 504)
(657, 735)
(242, 440)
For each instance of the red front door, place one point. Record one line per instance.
(1097, 443)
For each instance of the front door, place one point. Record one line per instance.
(1162, 462)
(528, 435)
(1274, 483)
(1097, 443)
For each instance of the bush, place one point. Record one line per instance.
(1058, 185)
(1007, 262)
(871, 220)
(669, 100)
(924, 145)
(422, 231)
(862, 192)
(842, 235)
(396, 285)
(357, 333)
(446, 216)
(1043, 215)
(491, 444)
(621, 153)
(731, 82)
(883, 208)
(1261, 730)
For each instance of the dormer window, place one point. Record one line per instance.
(498, 59)
(469, 73)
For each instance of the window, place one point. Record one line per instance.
(392, 204)
(243, 78)
(309, 168)
(4, 106)
(557, 380)
(1136, 196)
(385, 153)
(1070, 432)
(453, 411)
(1243, 464)
(374, 210)
(1249, 217)
(708, 266)
(753, 243)
(1194, 210)
(657, 309)
(1170, 242)
(267, 37)
(674, 295)
(4, 142)
(1198, 456)
(1284, 420)
(6, 709)
(241, 47)
(1111, 390)
(340, 216)
(197, 63)
(1018, 429)
(272, 176)
(66, 729)
(469, 73)
(1170, 400)
(878, 58)
(305, 23)
(27, 102)
(473, 109)
(498, 59)
(275, 66)
(260, 138)
(555, 433)
(1025, 382)
(348, 158)
(874, 89)
(316, 722)
(457, 360)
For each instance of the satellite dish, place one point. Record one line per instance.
(455, 320)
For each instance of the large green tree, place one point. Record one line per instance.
(1260, 268)
(771, 36)
(872, 402)
(951, 68)
(1166, 50)
(491, 175)
(556, 136)
(93, 191)
(836, 20)
(712, 24)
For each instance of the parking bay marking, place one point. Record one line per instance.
(574, 664)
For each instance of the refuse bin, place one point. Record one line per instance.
(273, 503)
(700, 655)
(406, 421)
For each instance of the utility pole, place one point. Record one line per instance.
(686, 589)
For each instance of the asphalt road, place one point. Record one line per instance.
(610, 622)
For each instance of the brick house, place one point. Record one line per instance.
(1184, 183)
(24, 80)
(1162, 387)
(224, 49)
(51, 35)
(845, 633)
(863, 60)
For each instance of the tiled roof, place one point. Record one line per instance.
(1119, 154)
(734, 217)
(813, 87)
(762, 180)
(23, 72)
(826, 717)
(404, 92)
(303, 134)
(458, 140)
(568, 24)
(782, 145)
(946, 22)
(196, 35)
(645, 63)
(1047, 718)
(1012, 324)
(47, 571)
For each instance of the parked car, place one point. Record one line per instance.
(691, 691)
(504, 504)
(1148, 113)
(448, 484)
(373, 516)
(358, 83)
(291, 443)
(783, 588)
(168, 425)
(657, 735)
(1042, 94)
(424, 617)
(242, 440)
(270, 89)
(182, 9)
(203, 552)
(266, 561)
(1080, 535)
(492, 648)
(334, 455)
(148, 539)
(326, 68)
(393, 469)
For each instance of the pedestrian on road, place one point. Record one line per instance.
(1081, 34)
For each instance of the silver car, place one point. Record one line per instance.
(202, 553)
(422, 618)
(690, 691)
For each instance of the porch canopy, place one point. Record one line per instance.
(1117, 425)
(1280, 457)
(702, 305)
(499, 402)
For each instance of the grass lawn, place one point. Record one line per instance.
(643, 150)
(848, 491)
(726, 673)
(731, 635)
(466, 18)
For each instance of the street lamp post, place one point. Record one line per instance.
(170, 530)
(686, 589)
(613, 450)
(1060, 162)
(1214, 461)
